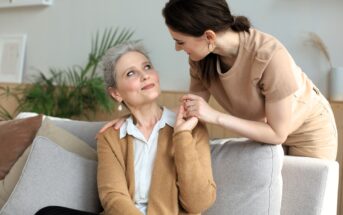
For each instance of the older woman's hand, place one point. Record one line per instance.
(184, 123)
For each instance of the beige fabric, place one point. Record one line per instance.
(66, 140)
(8, 183)
(265, 72)
(57, 135)
(181, 180)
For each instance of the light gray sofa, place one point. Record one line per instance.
(247, 174)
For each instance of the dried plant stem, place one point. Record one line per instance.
(317, 42)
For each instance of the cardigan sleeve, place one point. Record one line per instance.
(197, 189)
(112, 185)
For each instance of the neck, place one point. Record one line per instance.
(146, 117)
(227, 46)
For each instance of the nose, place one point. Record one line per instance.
(144, 76)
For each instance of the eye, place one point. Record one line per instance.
(147, 67)
(130, 73)
(179, 43)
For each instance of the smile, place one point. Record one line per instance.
(149, 86)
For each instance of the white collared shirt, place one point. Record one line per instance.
(144, 155)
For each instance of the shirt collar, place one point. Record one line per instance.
(168, 117)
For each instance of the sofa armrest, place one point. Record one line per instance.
(310, 186)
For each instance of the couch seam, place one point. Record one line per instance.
(271, 179)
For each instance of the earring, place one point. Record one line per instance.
(210, 47)
(120, 107)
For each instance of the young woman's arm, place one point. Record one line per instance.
(274, 131)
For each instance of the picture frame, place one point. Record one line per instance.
(12, 55)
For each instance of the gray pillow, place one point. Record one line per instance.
(84, 130)
(248, 177)
(54, 176)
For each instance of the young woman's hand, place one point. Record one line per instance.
(116, 124)
(196, 106)
(184, 123)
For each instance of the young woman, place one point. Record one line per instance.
(157, 162)
(268, 98)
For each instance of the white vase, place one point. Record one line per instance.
(336, 84)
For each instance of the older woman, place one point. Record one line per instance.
(157, 162)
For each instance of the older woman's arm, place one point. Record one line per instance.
(112, 185)
(197, 189)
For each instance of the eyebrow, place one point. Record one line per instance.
(133, 67)
(177, 40)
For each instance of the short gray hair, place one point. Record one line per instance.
(112, 56)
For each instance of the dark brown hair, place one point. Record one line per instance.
(194, 17)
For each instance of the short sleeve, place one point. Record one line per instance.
(279, 78)
(196, 86)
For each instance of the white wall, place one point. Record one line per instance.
(59, 36)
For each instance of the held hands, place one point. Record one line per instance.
(196, 106)
(184, 123)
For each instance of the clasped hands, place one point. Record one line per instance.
(192, 109)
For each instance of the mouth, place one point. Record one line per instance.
(148, 86)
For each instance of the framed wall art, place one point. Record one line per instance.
(12, 56)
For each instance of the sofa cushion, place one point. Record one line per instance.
(15, 136)
(57, 135)
(54, 176)
(248, 177)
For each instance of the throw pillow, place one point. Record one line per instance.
(85, 130)
(66, 140)
(8, 183)
(54, 176)
(15, 137)
(57, 135)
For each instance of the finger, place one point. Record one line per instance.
(190, 103)
(119, 123)
(190, 97)
(190, 113)
(179, 115)
(107, 125)
(193, 120)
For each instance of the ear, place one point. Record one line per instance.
(210, 36)
(114, 94)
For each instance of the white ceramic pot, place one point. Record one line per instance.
(336, 84)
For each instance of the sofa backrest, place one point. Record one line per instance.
(248, 179)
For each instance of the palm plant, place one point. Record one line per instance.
(75, 91)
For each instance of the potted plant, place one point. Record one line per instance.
(73, 92)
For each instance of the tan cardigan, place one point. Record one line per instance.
(182, 181)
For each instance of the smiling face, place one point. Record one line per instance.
(137, 80)
(196, 47)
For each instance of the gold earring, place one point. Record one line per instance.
(210, 47)
(120, 107)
